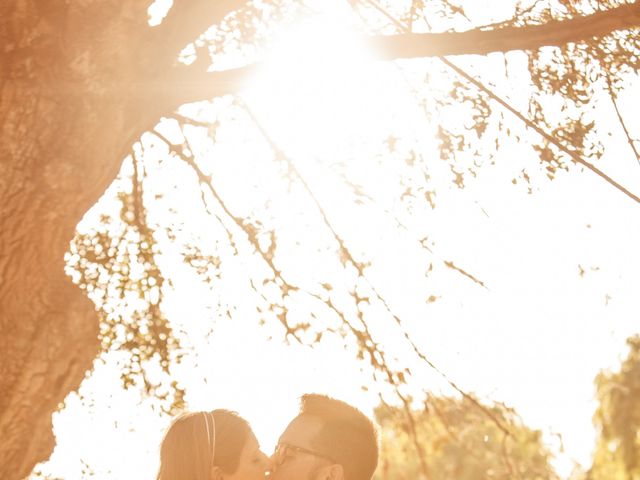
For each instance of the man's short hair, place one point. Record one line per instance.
(347, 436)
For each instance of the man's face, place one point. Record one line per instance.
(297, 458)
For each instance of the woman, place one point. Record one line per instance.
(217, 445)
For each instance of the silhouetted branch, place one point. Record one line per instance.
(551, 139)
(453, 266)
(189, 85)
(633, 10)
(360, 269)
(284, 285)
(614, 101)
(481, 42)
(188, 18)
(376, 356)
(181, 121)
(378, 361)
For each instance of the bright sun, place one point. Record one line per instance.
(312, 86)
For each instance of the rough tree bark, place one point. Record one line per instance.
(80, 81)
(74, 95)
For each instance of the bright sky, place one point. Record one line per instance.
(535, 338)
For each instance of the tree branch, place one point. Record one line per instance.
(549, 138)
(482, 42)
(206, 180)
(188, 18)
(188, 84)
(453, 266)
(623, 124)
(361, 273)
(199, 86)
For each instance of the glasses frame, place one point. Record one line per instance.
(281, 446)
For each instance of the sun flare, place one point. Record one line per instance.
(312, 85)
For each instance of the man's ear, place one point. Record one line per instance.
(216, 473)
(334, 472)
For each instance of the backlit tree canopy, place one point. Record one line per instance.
(459, 441)
(618, 419)
(210, 182)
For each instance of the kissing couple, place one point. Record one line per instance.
(327, 440)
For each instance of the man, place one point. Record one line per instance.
(328, 440)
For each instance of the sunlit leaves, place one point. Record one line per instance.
(257, 207)
(618, 419)
(460, 442)
(115, 262)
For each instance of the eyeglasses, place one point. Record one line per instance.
(284, 451)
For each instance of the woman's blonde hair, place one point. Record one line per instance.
(196, 441)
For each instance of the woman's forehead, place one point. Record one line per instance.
(251, 442)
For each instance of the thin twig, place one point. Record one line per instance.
(623, 124)
(204, 179)
(551, 139)
(205, 203)
(453, 266)
(360, 269)
(372, 349)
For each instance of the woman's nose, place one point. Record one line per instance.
(265, 462)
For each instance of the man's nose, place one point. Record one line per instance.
(271, 464)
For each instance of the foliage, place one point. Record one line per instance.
(117, 262)
(617, 453)
(461, 442)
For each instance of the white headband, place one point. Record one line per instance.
(211, 433)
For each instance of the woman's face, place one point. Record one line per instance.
(253, 463)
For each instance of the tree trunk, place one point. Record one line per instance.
(79, 84)
(61, 141)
